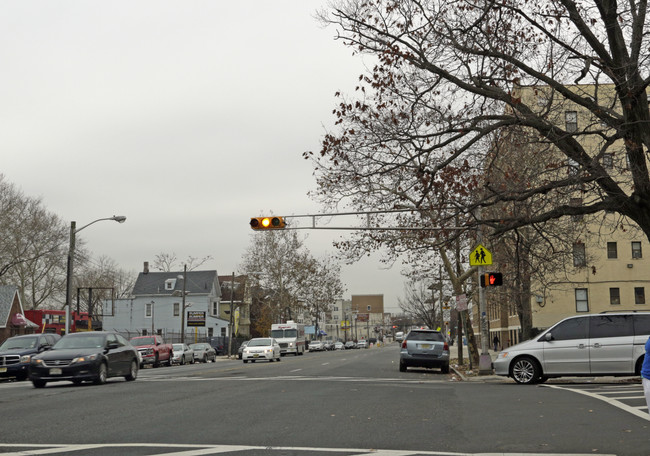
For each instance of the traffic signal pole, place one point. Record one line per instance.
(484, 361)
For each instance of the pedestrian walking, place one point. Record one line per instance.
(496, 341)
(645, 374)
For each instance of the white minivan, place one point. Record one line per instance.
(592, 345)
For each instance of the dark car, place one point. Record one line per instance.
(16, 353)
(87, 356)
(424, 348)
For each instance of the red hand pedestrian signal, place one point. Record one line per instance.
(491, 279)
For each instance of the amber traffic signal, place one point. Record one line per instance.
(491, 279)
(267, 223)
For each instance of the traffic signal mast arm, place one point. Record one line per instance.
(257, 223)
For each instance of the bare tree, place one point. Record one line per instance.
(33, 247)
(167, 262)
(420, 303)
(292, 280)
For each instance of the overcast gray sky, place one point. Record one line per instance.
(186, 117)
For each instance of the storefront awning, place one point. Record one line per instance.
(19, 319)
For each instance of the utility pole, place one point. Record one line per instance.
(232, 302)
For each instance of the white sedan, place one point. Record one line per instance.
(261, 348)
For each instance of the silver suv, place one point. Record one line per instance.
(589, 345)
(424, 348)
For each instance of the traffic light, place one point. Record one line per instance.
(491, 279)
(267, 223)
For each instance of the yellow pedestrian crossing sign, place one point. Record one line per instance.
(480, 256)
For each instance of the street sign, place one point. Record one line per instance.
(480, 256)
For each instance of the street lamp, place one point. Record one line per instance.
(68, 288)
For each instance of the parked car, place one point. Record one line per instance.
(362, 344)
(183, 354)
(328, 345)
(338, 345)
(316, 345)
(262, 348)
(16, 353)
(350, 344)
(240, 350)
(585, 345)
(424, 348)
(87, 356)
(203, 352)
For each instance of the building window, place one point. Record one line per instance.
(210, 332)
(177, 309)
(368, 308)
(571, 121)
(639, 295)
(579, 256)
(214, 308)
(170, 284)
(608, 160)
(148, 309)
(615, 296)
(612, 250)
(582, 300)
(636, 249)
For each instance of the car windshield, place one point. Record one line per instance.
(198, 347)
(177, 347)
(426, 335)
(142, 341)
(80, 341)
(259, 342)
(19, 343)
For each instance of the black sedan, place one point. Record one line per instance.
(87, 356)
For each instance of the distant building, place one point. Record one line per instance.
(368, 316)
(155, 306)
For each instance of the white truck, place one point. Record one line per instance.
(290, 336)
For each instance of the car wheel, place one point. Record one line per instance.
(279, 358)
(205, 358)
(156, 363)
(252, 360)
(76, 381)
(445, 369)
(170, 362)
(525, 371)
(402, 366)
(102, 373)
(245, 361)
(39, 383)
(133, 372)
(182, 360)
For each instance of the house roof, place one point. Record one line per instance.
(7, 293)
(155, 283)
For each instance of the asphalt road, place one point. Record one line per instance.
(346, 402)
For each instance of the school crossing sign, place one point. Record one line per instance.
(480, 256)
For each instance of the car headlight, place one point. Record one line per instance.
(25, 359)
(36, 361)
(83, 359)
(502, 355)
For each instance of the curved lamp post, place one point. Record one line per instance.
(68, 289)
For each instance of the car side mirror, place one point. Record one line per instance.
(548, 337)
(112, 345)
(44, 347)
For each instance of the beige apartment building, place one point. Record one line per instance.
(608, 268)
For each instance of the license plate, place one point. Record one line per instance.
(3, 369)
(56, 371)
(425, 346)
(256, 355)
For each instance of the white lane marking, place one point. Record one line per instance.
(296, 370)
(610, 401)
(197, 450)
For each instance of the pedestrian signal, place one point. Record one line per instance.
(491, 279)
(267, 223)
